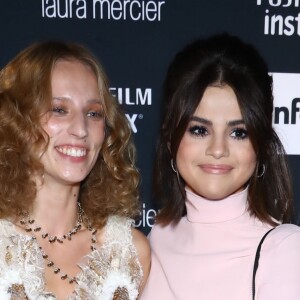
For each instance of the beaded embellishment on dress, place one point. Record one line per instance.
(17, 292)
(121, 294)
(111, 272)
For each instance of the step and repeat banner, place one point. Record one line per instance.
(136, 39)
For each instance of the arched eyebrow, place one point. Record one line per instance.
(61, 98)
(201, 120)
(97, 101)
(210, 123)
(236, 122)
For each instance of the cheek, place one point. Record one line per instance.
(248, 159)
(98, 134)
(52, 128)
(183, 152)
(190, 149)
(187, 155)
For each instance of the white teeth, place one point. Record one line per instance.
(71, 152)
(75, 152)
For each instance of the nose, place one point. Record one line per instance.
(78, 126)
(217, 147)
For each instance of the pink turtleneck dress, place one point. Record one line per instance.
(209, 255)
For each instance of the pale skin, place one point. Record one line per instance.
(75, 126)
(215, 156)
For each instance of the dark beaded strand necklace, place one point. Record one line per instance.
(26, 221)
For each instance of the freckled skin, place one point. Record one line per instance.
(75, 122)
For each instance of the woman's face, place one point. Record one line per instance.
(215, 156)
(75, 124)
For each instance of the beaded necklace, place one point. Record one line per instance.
(26, 221)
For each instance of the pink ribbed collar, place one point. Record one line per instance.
(201, 210)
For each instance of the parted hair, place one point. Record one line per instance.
(223, 60)
(25, 95)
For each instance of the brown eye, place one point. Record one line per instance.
(239, 133)
(200, 131)
(95, 114)
(58, 110)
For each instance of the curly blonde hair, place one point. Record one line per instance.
(25, 95)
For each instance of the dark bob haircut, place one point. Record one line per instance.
(223, 60)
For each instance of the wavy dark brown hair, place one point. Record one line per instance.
(223, 60)
(25, 95)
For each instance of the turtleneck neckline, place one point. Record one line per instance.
(202, 210)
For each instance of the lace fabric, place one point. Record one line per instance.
(111, 272)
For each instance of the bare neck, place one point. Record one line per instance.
(55, 207)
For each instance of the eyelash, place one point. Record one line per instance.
(92, 114)
(96, 114)
(201, 131)
(242, 133)
(58, 110)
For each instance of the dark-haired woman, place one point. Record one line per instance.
(223, 180)
(68, 184)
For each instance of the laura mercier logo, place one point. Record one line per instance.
(128, 9)
(278, 20)
(134, 10)
(64, 9)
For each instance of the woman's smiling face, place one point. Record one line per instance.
(75, 124)
(215, 156)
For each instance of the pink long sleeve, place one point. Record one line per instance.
(210, 254)
(279, 270)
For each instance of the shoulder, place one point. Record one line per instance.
(285, 233)
(118, 228)
(157, 231)
(167, 234)
(283, 238)
(7, 229)
(279, 264)
(144, 253)
(115, 220)
(124, 228)
(140, 242)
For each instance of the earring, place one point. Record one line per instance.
(263, 171)
(173, 166)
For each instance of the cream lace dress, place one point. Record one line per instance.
(111, 272)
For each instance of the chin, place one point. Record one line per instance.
(73, 179)
(214, 195)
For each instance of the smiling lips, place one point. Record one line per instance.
(216, 169)
(72, 151)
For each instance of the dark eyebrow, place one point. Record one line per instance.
(208, 122)
(201, 120)
(236, 122)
